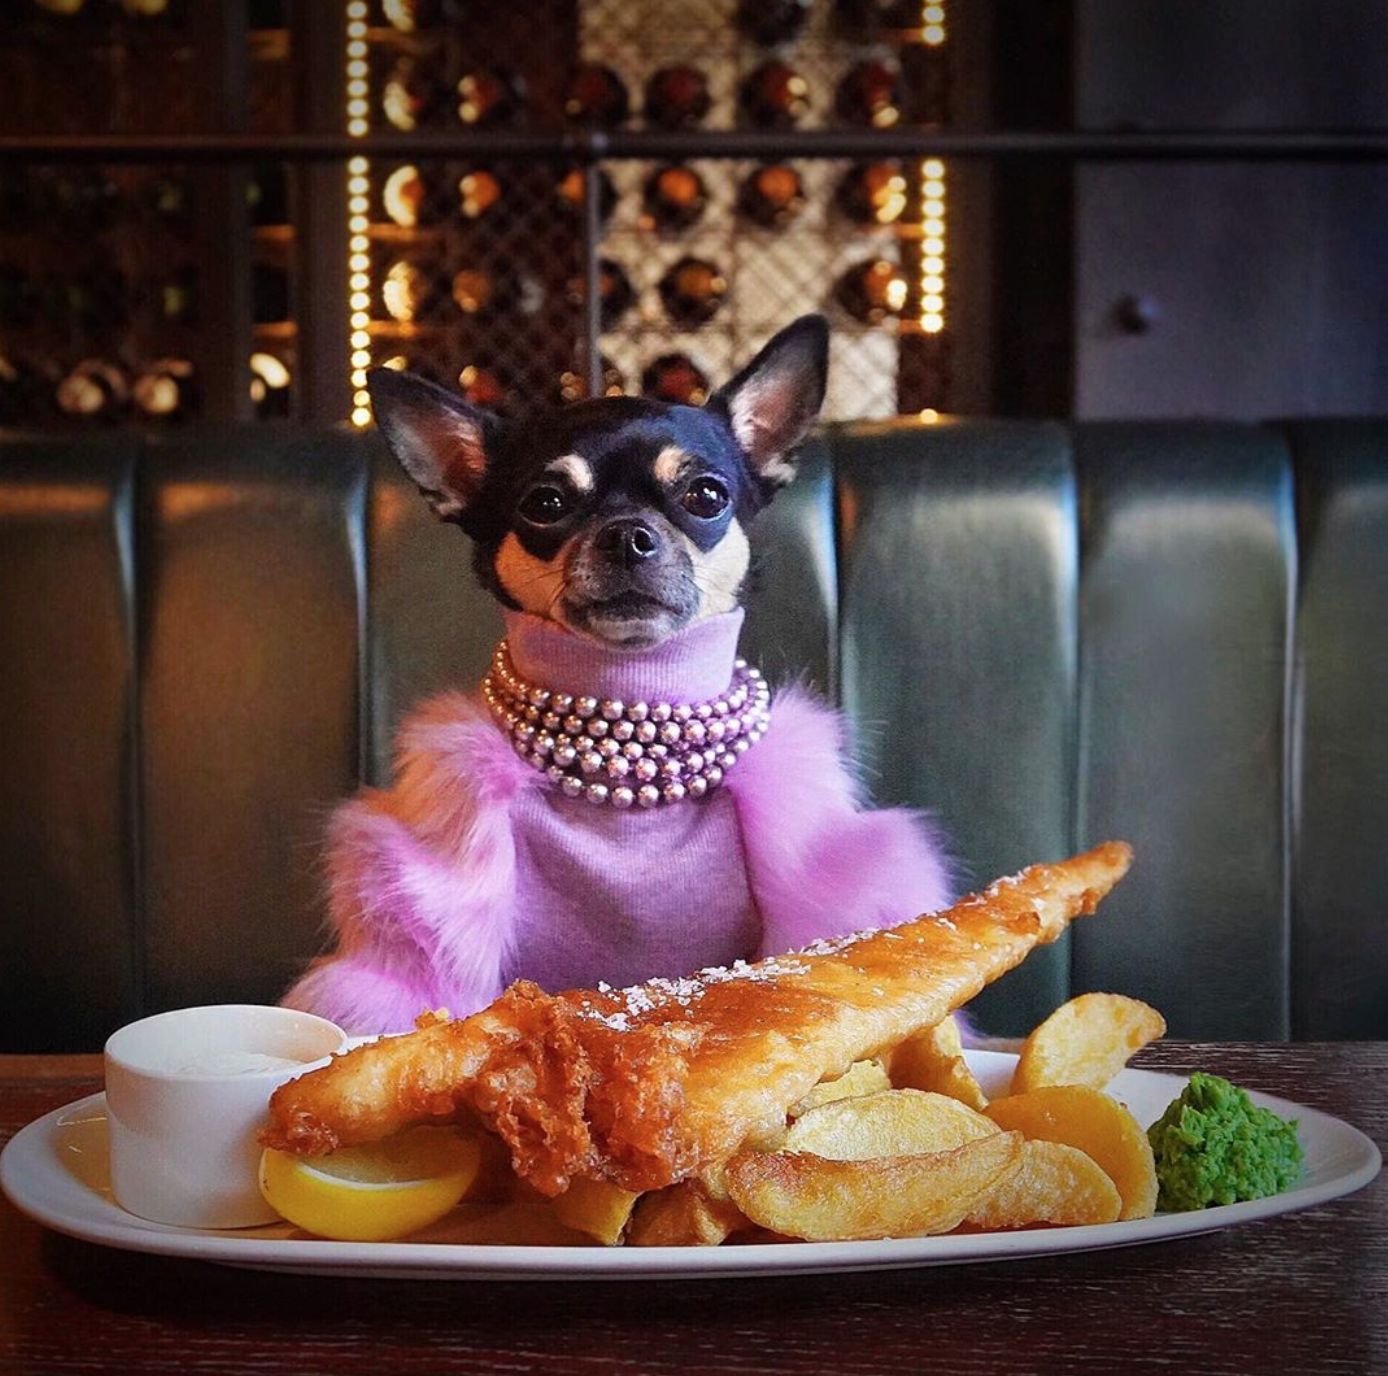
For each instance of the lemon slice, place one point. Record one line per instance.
(372, 1193)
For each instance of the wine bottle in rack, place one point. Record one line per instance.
(488, 97)
(675, 378)
(163, 391)
(615, 293)
(597, 97)
(872, 193)
(65, 9)
(693, 290)
(175, 297)
(477, 291)
(769, 22)
(478, 192)
(271, 386)
(573, 382)
(409, 16)
(772, 195)
(94, 391)
(677, 97)
(409, 290)
(872, 291)
(270, 300)
(675, 197)
(405, 198)
(483, 385)
(570, 191)
(148, 9)
(870, 94)
(473, 291)
(170, 200)
(413, 95)
(774, 95)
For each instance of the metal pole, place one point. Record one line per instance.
(592, 272)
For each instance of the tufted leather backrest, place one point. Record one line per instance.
(1176, 634)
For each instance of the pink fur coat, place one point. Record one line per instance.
(472, 871)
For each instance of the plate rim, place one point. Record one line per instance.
(472, 1261)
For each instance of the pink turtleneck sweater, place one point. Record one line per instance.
(624, 896)
(473, 870)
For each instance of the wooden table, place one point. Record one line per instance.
(1304, 1293)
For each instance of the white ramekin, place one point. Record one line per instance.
(183, 1128)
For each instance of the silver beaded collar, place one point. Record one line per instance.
(628, 753)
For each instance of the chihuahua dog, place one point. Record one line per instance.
(623, 800)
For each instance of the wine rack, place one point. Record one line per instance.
(283, 282)
(145, 294)
(698, 66)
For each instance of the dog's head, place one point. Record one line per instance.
(623, 520)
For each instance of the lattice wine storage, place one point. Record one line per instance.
(152, 294)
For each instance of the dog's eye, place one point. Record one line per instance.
(543, 506)
(706, 498)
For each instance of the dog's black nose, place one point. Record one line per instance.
(628, 541)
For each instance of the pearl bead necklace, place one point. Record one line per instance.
(626, 754)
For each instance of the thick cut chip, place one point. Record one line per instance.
(1086, 1042)
(798, 1194)
(1054, 1184)
(684, 1215)
(1099, 1126)
(894, 1122)
(862, 1077)
(934, 1061)
(596, 1208)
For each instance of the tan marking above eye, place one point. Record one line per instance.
(575, 469)
(669, 464)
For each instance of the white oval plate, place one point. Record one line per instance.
(55, 1170)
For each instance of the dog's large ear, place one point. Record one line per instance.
(440, 440)
(774, 400)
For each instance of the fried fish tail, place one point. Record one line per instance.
(650, 1085)
(375, 1090)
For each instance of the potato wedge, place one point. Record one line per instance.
(862, 1077)
(1086, 1041)
(1099, 1126)
(933, 1060)
(1054, 1184)
(801, 1195)
(684, 1215)
(596, 1208)
(893, 1122)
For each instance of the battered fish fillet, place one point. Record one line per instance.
(646, 1086)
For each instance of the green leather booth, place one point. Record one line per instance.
(1050, 635)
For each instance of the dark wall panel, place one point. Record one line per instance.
(1186, 597)
(251, 551)
(1340, 845)
(957, 604)
(68, 927)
